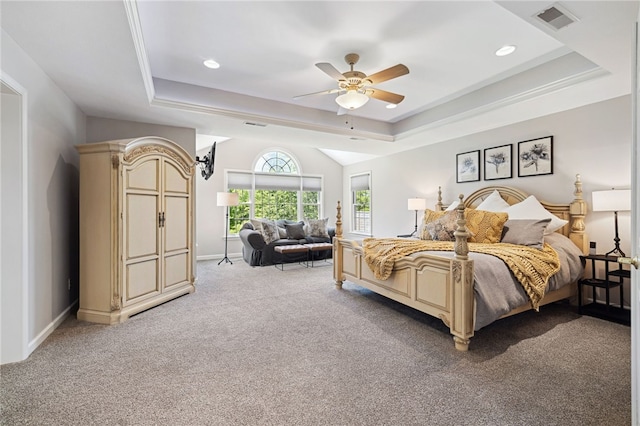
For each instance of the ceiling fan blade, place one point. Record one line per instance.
(388, 74)
(383, 95)
(330, 70)
(324, 92)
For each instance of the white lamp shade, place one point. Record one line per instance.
(352, 100)
(226, 199)
(416, 204)
(614, 200)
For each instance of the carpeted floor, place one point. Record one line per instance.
(260, 346)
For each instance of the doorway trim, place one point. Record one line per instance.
(15, 344)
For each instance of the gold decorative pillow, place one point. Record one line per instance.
(429, 216)
(485, 226)
(442, 229)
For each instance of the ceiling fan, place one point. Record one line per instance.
(356, 87)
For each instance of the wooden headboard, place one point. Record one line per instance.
(573, 212)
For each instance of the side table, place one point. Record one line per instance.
(613, 277)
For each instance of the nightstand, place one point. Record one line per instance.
(614, 276)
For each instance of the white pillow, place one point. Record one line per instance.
(530, 208)
(493, 203)
(452, 206)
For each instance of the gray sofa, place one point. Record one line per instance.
(257, 253)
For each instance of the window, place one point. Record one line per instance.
(361, 203)
(274, 190)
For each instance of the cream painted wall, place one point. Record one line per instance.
(105, 129)
(594, 141)
(235, 154)
(55, 125)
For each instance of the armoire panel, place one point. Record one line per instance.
(174, 181)
(142, 279)
(144, 176)
(142, 225)
(176, 224)
(176, 269)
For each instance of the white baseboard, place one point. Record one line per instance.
(33, 345)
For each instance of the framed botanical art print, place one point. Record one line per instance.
(535, 157)
(468, 166)
(497, 162)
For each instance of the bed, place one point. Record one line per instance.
(448, 284)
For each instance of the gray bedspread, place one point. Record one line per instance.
(497, 290)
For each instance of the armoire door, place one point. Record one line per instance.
(176, 225)
(141, 220)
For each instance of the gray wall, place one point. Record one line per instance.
(239, 154)
(54, 126)
(105, 129)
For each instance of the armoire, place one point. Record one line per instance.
(136, 227)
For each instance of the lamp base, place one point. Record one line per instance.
(616, 240)
(225, 260)
(616, 252)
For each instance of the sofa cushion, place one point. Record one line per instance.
(282, 231)
(269, 231)
(295, 231)
(316, 227)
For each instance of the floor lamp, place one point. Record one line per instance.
(226, 199)
(612, 201)
(416, 204)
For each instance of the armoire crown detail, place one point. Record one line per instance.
(134, 154)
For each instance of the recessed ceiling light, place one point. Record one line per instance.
(391, 106)
(506, 50)
(210, 63)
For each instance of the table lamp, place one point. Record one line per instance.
(226, 199)
(416, 204)
(612, 201)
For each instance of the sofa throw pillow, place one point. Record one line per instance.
(530, 208)
(257, 224)
(295, 231)
(442, 229)
(282, 231)
(269, 231)
(493, 203)
(484, 226)
(316, 227)
(525, 232)
(429, 216)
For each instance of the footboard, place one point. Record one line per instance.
(436, 285)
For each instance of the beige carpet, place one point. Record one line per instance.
(260, 346)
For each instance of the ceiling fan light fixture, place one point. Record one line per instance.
(352, 100)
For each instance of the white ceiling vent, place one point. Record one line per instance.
(556, 16)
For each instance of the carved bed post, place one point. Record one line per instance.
(578, 211)
(461, 324)
(461, 233)
(439, 203)
(337, 249)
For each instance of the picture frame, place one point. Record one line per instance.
(535, 157)
(468, 166)
(498, 163)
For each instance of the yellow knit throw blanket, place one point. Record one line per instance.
(531, 267)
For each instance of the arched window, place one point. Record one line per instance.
(275, 189)
(276, 162)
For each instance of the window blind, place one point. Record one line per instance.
(360, 182)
